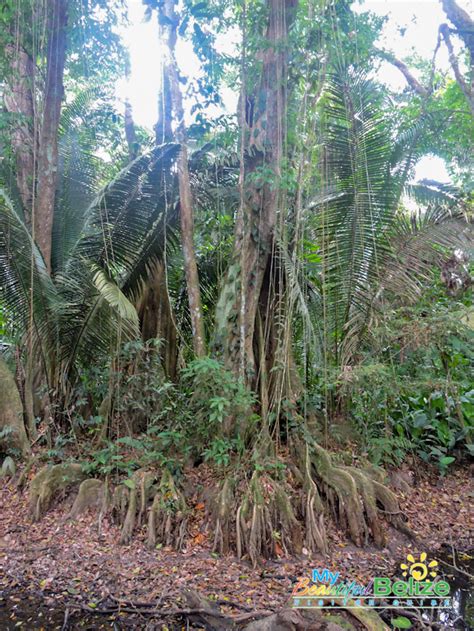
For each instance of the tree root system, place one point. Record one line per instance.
(276, 510)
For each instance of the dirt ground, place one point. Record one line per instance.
(56, 570)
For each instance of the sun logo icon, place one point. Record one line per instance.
(419, 569)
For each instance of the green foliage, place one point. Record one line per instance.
(216, 395)
(418, 397)
(165, 424)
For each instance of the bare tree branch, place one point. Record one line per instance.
(411, 80)
(467, 91)
(465, 31)
(462, 21)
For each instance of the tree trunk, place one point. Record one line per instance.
(163, 130)
(130, 134)
(186, 203)
(48, 149)
(19, 101)
(12, 428)
(262, 195)
(156, 318)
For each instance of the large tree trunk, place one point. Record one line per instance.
(156, 318)
(19, 102)
(48, 149)
(186, 203)
(262, 196)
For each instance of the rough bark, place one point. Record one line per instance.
(156, 318)
(264, 135)
(186, 202)
(48, 149)
(18, 101)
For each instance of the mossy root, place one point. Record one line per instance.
(48, 482)
(91, 494)
(167, 521)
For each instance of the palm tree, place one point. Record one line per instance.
(370, 245)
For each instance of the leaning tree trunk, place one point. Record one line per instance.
(186, 203)
(465, 30)
(261, 195)
(48, 148)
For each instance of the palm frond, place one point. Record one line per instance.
(25, 286)
(79, 171)
(366, 244)
(112, 293)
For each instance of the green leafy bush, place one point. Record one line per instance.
(413, 392)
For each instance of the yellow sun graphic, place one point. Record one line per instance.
(419, 569)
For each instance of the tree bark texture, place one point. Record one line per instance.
(48, 149)
(264, 134)
(18, 101)
(156, 318)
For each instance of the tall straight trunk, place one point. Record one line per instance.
(262, 194)
(130, 133)
(48, 147)
(186, 203)
(163, 129)
(19, 102)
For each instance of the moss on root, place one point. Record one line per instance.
(281, 515)
(262, 518)
(167, 520)
(137, 502)
(361, 498)
(50, 481)
(91, 494)
(274, 511)
(8, 469)
(223, 510)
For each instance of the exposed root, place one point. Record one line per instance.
(266, 521)
(365, 487)
(269, 522)
(167, 521)
(91, 494)
(351, 510)
(49, 481)
(391, 508)
(359, 495)
(223, 515)
(23, 479)
(142, 483)
(313, 512)
(120, 503)
(8, 469)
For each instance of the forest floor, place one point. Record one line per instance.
(53, 571)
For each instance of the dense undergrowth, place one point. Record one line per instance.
(132, 438)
